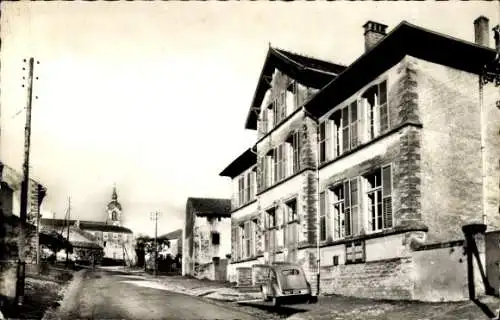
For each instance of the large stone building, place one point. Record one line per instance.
(116, 240)
(206, 238)
(365, 174)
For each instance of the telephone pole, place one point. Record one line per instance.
(67, 231)
(24, 189)
(155, 216)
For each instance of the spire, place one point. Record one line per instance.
(115, 195)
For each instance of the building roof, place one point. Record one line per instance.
(210, 207)
(404, 39)
(244, 161)
(13, 178)
(308, 71)
(85, 225)
(177, 234)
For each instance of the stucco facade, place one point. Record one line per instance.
(387, 170)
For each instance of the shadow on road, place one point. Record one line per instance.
(281, 310)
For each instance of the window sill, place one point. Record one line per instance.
(368, 236)
(367, 143)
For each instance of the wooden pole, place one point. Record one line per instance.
(67, 232)
(24, 190)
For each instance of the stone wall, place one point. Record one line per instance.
(384, 279)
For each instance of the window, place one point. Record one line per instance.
(336, 122)
(355, 252)
(249, 186)
(351, 207)
(322, 141)
(241, 190)
(264, 123)
(292, 102)
(247, 239)
(215, 238)
(322, 216)
(291, 210)
(376, 110)
(294, 140)
(241, 242)
(279, 163)
(379, 199)
(335, 260)
(350, 126)
(270, 218)
(338, 212)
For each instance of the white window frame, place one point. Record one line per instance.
(338, 205)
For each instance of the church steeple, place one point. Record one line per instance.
(114, 209)
(114, 197)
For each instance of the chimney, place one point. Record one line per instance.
(481, 31)
(374, 32)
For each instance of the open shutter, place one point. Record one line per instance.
(328, 139)
(354, 124)
(345, 130)
(348, 217)
(363, 120)
(387, 196)
(354, 199)
(233, 243)
(384, 111)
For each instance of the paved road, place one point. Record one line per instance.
(107, 295)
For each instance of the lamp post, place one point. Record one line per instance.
(154, 216)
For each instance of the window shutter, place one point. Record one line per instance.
(376, 117)
(322, 216)
(384, 110)
(345, 129)
(354, 124)
(328, 219)
(347, 208)
(354, 199)
(234, 243)
(363, 120)
(387, 196)
(328, 139)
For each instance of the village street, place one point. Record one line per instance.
(109, 295)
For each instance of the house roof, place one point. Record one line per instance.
(177, 234)
(240, 164)
(210, 207)
(404, 39)
(309, 71)
(85, 225)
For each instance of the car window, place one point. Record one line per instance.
(290, 272)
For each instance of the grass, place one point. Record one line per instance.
(39, 295)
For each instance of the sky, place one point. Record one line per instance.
(153, 96)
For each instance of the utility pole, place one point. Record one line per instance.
(24, 189)
(155, 216)
(67, 232)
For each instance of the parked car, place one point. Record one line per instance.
(285, 282)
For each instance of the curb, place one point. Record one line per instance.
(69, 294)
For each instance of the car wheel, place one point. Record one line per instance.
(312, 299)
(263, 291)
(276, 302)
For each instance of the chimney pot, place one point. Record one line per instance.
(481, 31)
(374, 32)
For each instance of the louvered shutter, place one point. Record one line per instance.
(354, 124)
(387, 196)
(348, 217)
(354, 201)
(364, 125)
(345, 129)
(384, 110)
(234, 243)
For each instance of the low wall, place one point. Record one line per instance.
(205, 271)
(383, 279)
(441, 272)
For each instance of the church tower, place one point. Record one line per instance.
(114, 210)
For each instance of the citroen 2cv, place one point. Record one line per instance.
(283, 282)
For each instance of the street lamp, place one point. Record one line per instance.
(154, 216)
